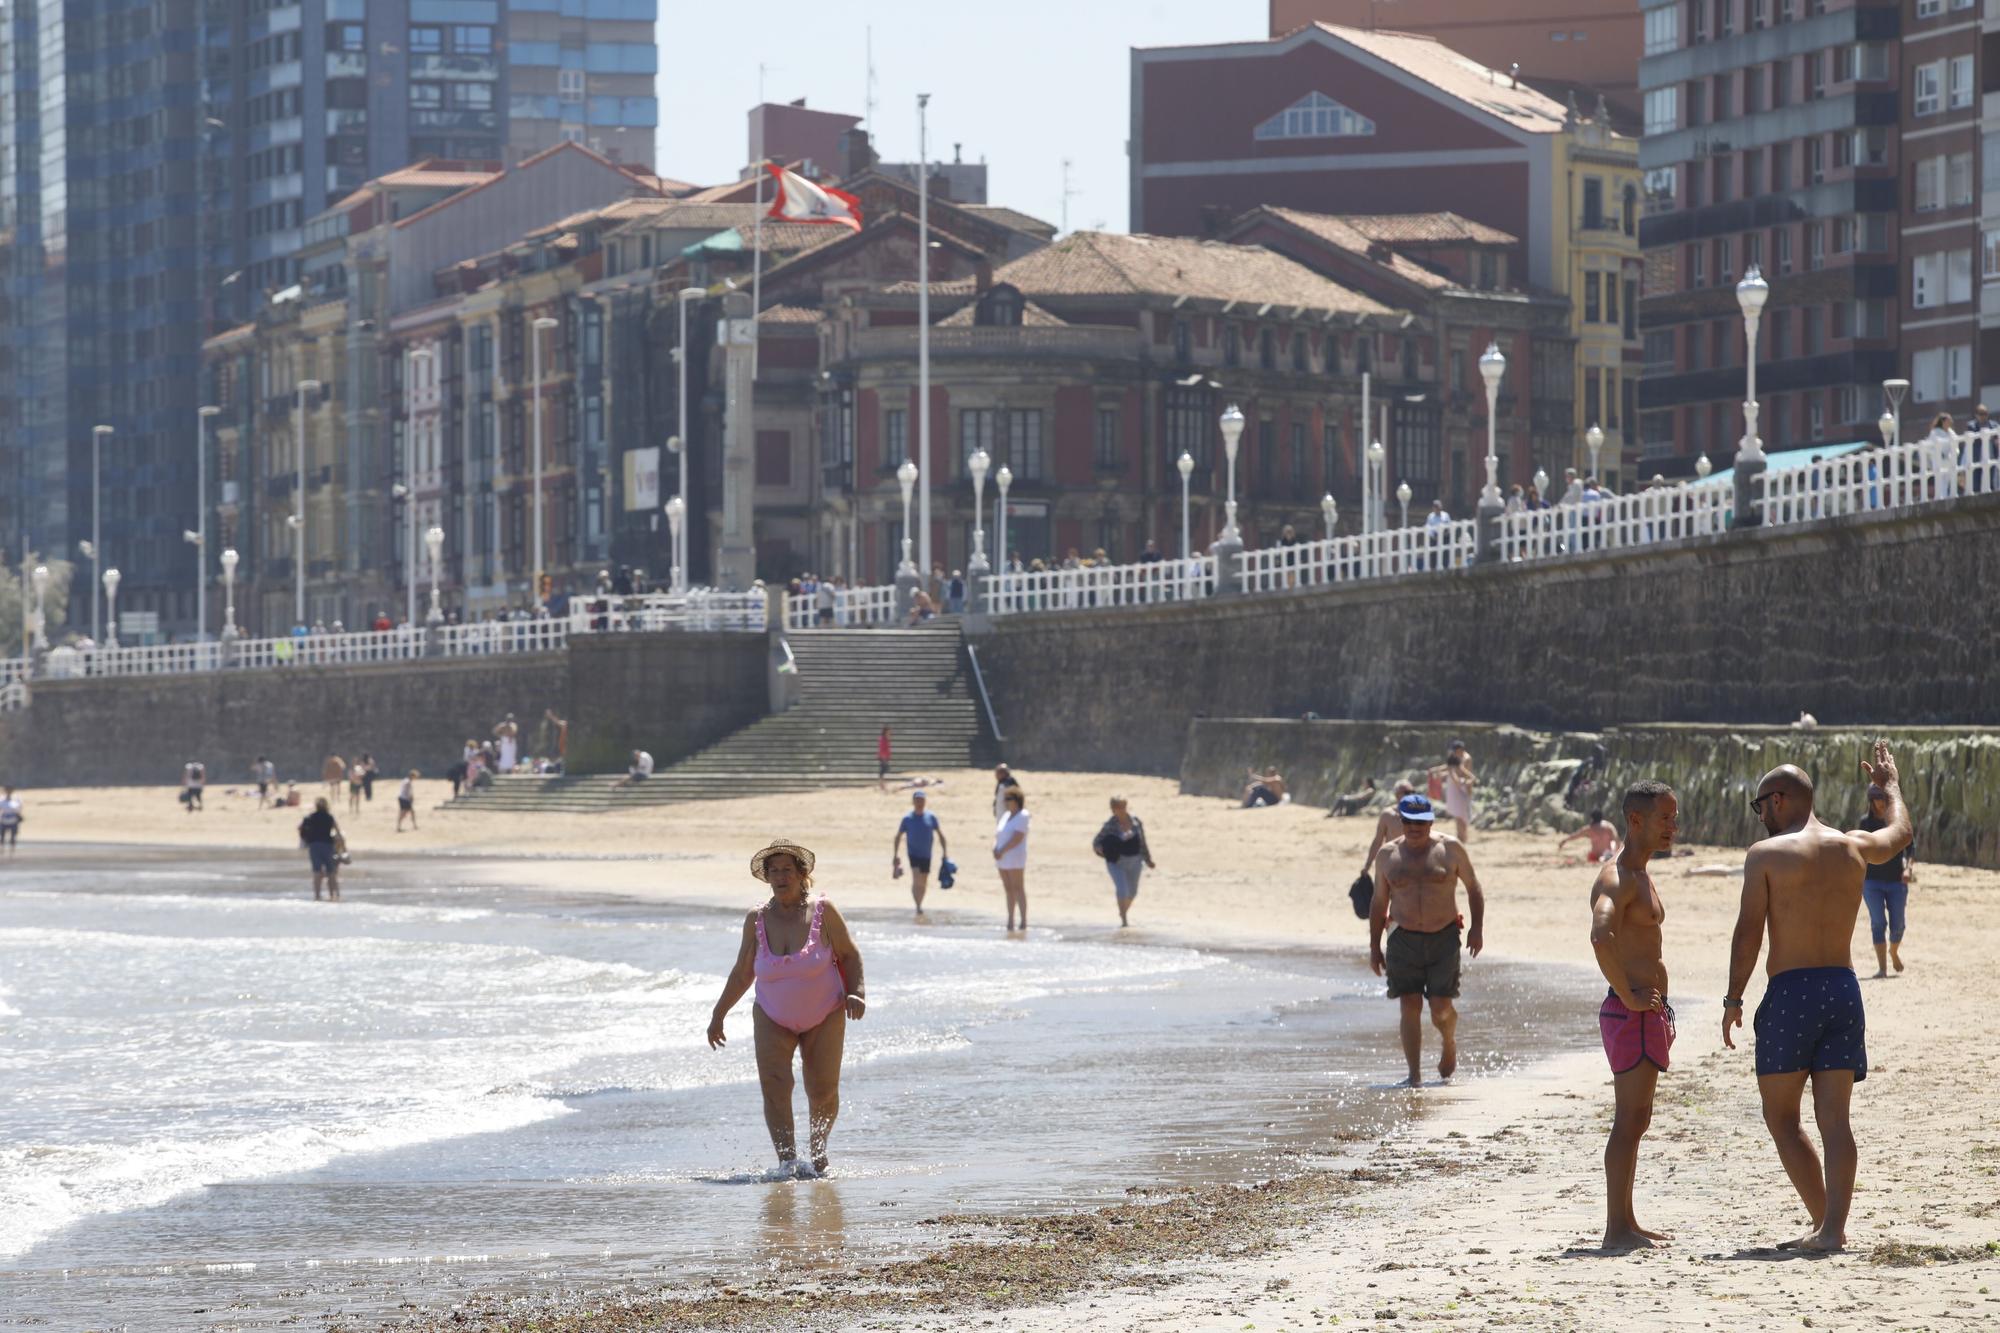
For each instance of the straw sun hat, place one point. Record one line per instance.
(786, 846)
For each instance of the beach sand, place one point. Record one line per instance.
(1481, 1215)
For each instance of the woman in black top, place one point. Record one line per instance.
(320, 834)
(1122, 844)
(1886, 890)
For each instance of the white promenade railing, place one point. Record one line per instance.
(1374, 555)
(853, 608)
(15, 668)
(1666, 513)
(1878, 479)
(1148, 583)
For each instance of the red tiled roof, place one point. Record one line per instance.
(1093, 263)
(789, 314)
(1013, 219)
(1461, 77)
(1426, 229)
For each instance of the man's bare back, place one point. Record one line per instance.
(1812, 879)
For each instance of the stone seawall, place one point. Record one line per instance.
(669, 694)
(1951, 775)
(1858, 620)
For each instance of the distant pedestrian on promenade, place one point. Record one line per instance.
(10, 819)
(807, 972)
(1941, 448)
(193, 778)
(1805, 882)
(1602, 836)
(1010, 855)
(823, 600)
(1416, 886)
(883, 750)
(332, 772)
(918, 828)
(509, 736)
(1635, 1020)
(1886, 889)
(1122, 844)
(320, 835)
(1003, 782)
(954, 593)
(406, 801)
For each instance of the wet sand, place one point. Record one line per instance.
(1480, 1215)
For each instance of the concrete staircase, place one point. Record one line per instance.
(851, 682)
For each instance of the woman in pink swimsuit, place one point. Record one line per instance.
(808, 978)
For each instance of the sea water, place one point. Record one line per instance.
(224, 1104)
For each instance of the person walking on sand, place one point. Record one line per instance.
(320, 835)
(919, 827)
(1010, 855)
(1004, 781)
(1886, 889)
(368, 771)
(882, 749)
(406, 802)
(193, 778)
(10, 819)
(1804, 882)
(509, 736)
(332, 772)
(266, 773)
(1416, 885)
(1122, 844)
(1635, 1020)
(807, 972)
(1603, 838)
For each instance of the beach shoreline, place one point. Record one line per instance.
(1479, 1207)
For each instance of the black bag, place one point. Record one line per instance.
(1362, 894)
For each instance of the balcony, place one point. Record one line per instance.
(455, 120)
(454, 67)
(997, 341)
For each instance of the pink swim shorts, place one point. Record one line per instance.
(1630, 1038)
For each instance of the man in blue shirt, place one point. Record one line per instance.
(920, 826)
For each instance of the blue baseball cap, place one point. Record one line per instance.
(1415, 809)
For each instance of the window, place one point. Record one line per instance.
(1024, 444)
(1927, 281)
(1697, 270)
(1957, 373)
(1781, 335)
(1364, 353)
(1315, 116)
(1267, 349)
(1781, 166)
(1298, 460)
(1960, 94)
(1958, 180)
(1631, 310)
(1663, 110)
(1816, 75)
(1183, 342)
(426, 40)
(1232, 346)
(1929, 9)
(1593, 306)
(569, 85)
(1724, 268)
(1106, 454)
(1870, 148)
(1990, 248)
(1697, 338)
(1781, 246)
(471, 96)
(1593, 402)
(1611, 298)
(895, 438)
(1927, 375)
(1191, 427)
(1593, 203)
(1781, 83)
(1663, 189)
(470, 40)
(347, 37)
(1816, 415)
(1299, 362)
(1927, 86)
(1719, 107)
(1663, 30)
(1843, 236)
(1815, 160)
(1957, 276)
(975, 432)
(1753, 174)
(1267, 457)
(426, 95)
(1815, 246)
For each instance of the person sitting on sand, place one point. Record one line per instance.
(1353, 802)
(1804, 881)
(1266, 788)
(1603, 839)
(1635, 1020)
(807, 972)
(1416, 884)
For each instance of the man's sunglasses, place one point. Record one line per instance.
(1757, 806)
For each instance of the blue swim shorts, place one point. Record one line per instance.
(1811, 1019)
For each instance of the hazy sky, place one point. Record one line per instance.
(1023, 84)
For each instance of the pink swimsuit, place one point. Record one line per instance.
(798, 991)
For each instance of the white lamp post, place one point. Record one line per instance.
(1541, 484)
(1232, 436)
(298, 519)
(1492, 365)
(978, 464)
(1702, 467)
(1751, 294)
(1887, 425)
(1328, 511)
(679, 443)
(1593, 440)
(540, 326)
(419, 356)
(1378, 471)
(923, 322)
(1894, 391)
(41, 580)
(434, 539)
(1186, 468)
(906, 476)
(111, 598)
(229, 559)
(1004, 479)
(200, 537)
(676, 511)
(1403, 498)
(96, 548)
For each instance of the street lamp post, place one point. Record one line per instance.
(419, 356)
(676, 513)
(41, 581)
(203, 416)
(1185, 466)
(1378, 474)
(1751, 294)
(1229, 546)
(679, 444)
(299, 505)
(541, 326)
(111, 577)
(977, 568)
(906, 573)
(1328, 510)
(1403, 498)
(1486, 541)
(229, 559)
(434, 540)
(1593, 440)
(96, 551)
(1004, 479)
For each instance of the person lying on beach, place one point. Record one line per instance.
(807, 972)
(1266, 788)
(1635, 1020)
(1804, 882)
(1416, 885)
(1603, 839)
(1353, 802)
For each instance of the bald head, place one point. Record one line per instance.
(1792, 781)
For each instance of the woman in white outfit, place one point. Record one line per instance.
(1010, 854)
(1943, 448)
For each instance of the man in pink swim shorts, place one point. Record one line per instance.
(1635, 1020)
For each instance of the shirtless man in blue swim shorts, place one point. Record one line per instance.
(1804, 881)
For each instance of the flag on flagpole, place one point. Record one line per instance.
(799, 200)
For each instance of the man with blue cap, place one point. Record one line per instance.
(1416, 884)
(920, 827)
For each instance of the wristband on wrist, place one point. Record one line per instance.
(1731, 1003)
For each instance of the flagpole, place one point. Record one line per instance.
(757, 270)
(923, 342)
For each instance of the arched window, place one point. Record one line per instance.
(1000, 306)
(1232, 346)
